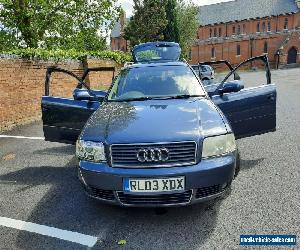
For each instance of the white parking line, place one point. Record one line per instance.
(22, 137)
(79, 238)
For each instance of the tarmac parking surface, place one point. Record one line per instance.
(40, 194)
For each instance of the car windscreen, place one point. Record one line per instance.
(155, 81)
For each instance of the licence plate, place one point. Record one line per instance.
(154, 185)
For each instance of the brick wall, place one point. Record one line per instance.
(22, 85)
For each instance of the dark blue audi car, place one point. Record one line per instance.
(159, 137)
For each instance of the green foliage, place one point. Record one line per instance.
(187, 24)
(146, 55)
(58, 54)
(40, 22)
(148, 22)
(163, 20)
(7, 40)
(171, 32)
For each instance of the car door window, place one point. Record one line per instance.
(251, 73)
(212, 73)
(249, 102)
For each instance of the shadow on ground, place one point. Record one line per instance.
(249, 164)
(65, 206)
(60, 150)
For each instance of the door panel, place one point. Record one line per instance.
(64, 118)
(250, 111)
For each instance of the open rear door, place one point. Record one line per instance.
(252, 110)
(64, 118)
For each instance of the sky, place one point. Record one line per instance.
(127, 4)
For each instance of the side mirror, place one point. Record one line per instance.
(82, 94)
(232, 86)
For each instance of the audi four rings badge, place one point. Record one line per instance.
(152, 154)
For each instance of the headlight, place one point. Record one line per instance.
(90, 151)
(218, 145)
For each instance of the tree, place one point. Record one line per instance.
(148, 22)
(188, 24)
(167, 20)
(8, 39)
(40, 21)
(171, 32)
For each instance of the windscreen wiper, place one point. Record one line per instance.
(182, 96)
(144, 98)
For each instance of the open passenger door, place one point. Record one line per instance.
(63, 118)
(251, 110)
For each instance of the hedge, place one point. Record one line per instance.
(59, 54)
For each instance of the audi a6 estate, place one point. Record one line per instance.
(157, 137)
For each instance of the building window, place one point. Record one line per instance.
(238, 50)
(269, 26)
(220, 32)
(213, 53)
(215, 32)
(266, 47)
(263, 27)
(257, 27)
(244, 28)
(233, 30)
(238, 29)
(286, 23)
(210, 32)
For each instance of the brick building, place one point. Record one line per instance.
(240, 29)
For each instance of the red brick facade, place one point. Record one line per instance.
(237, 41)
(22, 85)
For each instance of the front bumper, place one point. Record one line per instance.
(204, 181)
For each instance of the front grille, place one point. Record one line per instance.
(100, 193)
(180, 153)
(207, 191)
(158, 199)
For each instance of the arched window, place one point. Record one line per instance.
(220, 32)
(215, 32)
(233, 30)
(238, 29)
(210, 32)
(213, 52)
(286, 23)
(269, 26)
(238, 50)
(266, 47)
(257, 27)
(263, 27)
